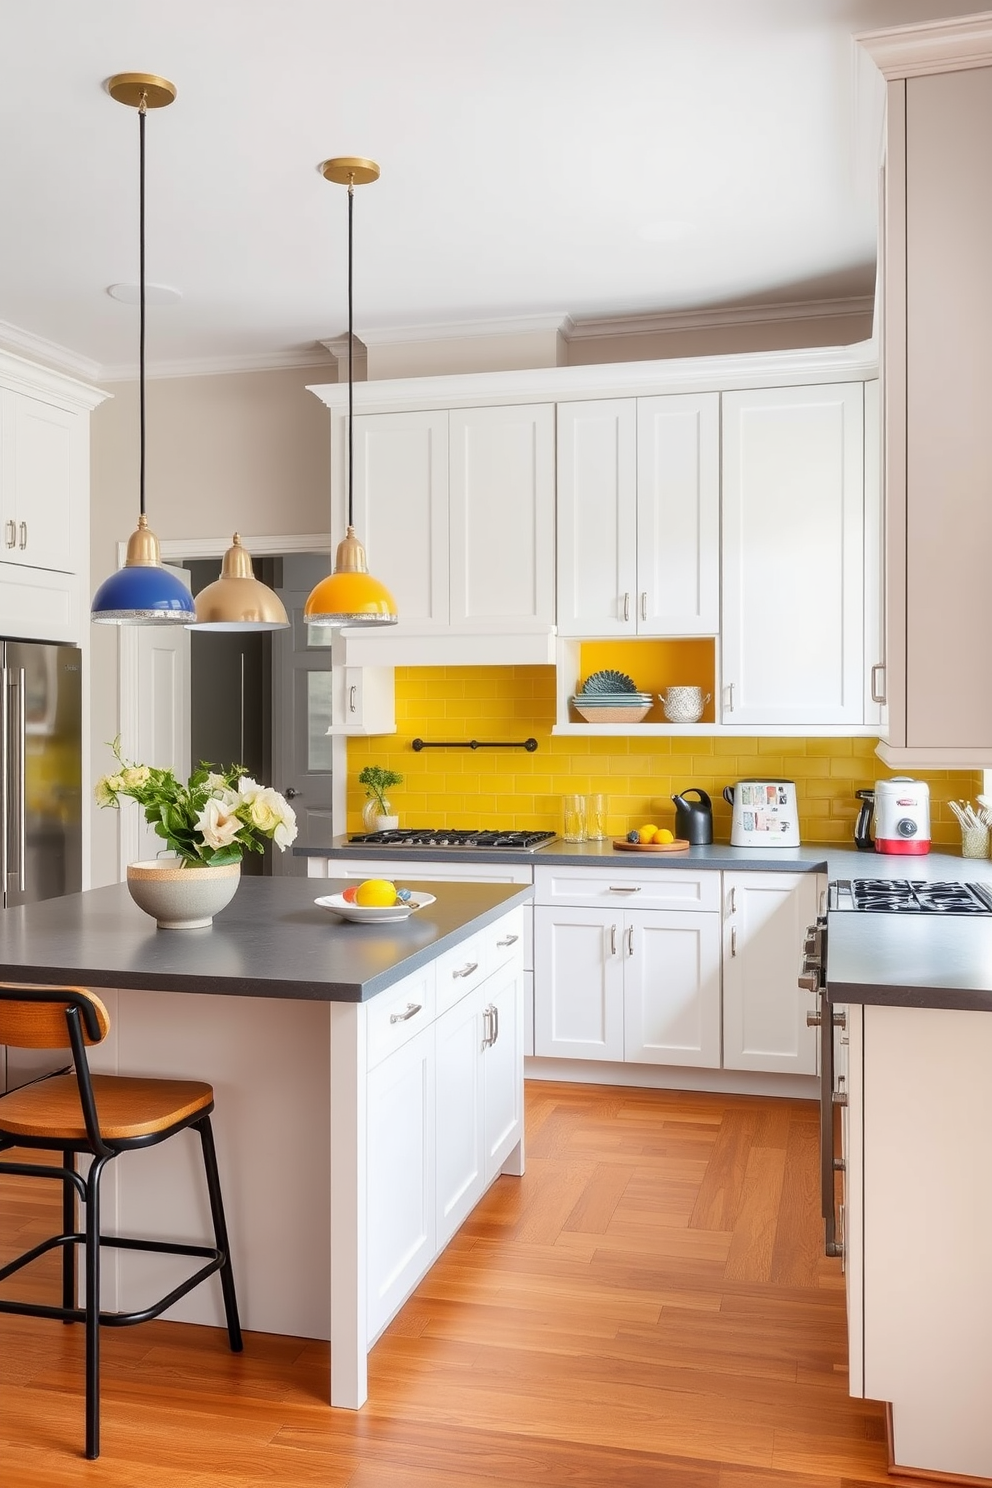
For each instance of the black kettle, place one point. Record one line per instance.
(866, 816)
(694, 819)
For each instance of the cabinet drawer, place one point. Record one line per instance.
(635, 888)
(398, 1014)
(505, 939)
(462, 969)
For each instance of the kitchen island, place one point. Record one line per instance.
(915, 994)
(368, 1083)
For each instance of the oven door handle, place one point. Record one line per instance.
(829, 1121)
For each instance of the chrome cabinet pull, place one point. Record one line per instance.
(625, 888)
(510, 940)
(466, 970)
(730, 698)
(495, 1024)
(412, 1008)
(644, 604)
(352, 695)
(10, 533)
(487, 1027)
(733, 900)
(630, 940)
(733, 940)
(613, 940)
(626, 607)
(24, 535)
(877, 695)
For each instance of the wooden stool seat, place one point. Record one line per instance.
(129, 1107)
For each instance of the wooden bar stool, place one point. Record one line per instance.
(100, 1116)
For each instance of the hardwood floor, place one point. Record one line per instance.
(647, 1308)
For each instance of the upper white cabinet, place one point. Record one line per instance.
(793, 631)
(937, 385)
(639, 516)
(456, 508)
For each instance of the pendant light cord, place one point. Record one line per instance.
(141, 301)
(351, 343)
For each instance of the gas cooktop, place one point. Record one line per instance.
(457, 837)
(910, 896)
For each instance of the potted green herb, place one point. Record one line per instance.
(378, 813)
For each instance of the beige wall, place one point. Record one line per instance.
(247, 452)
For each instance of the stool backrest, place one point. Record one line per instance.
(35, 1017)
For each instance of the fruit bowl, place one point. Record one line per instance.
(363, 914)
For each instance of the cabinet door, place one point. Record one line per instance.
(793, 543)
(39, 473)
(764, 1013)
(401, 1207)
(459, 1106)
(672, 988)
(597, 521)
(401, 511)
(362, 699)
(503, 1063)
(578, 983)
(502, 517)
(678, 515)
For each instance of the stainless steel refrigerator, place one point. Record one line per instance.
(41, 853)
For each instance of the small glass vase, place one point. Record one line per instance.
(378, 816)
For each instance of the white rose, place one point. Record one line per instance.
(217, 823)
(265, 810)
(285, 832)
(135, 776)
(104, 792)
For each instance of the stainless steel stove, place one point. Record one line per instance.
(910, 896)
(428, 838)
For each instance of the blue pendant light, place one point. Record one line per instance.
(142, 592)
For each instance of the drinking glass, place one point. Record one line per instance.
(573, 810)
(596, 812)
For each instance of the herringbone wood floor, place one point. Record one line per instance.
(647, 1308)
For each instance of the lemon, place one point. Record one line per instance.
(664, 835)
(376, 893)
(646, 834)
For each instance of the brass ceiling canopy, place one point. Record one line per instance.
(349, 170)
(132, 87)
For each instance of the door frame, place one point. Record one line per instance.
(178, 550)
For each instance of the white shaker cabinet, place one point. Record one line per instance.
(764, 1015)
(43, 489)
(793, 637)
(638, 516)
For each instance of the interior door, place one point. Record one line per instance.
(302, 749)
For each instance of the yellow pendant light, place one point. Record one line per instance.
(350, 595)
(237, 600)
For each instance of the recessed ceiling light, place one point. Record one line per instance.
(666, 232)
(155, 294)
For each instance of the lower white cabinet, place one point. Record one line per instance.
(444, 1108)
(764, 1016)
(620, 984)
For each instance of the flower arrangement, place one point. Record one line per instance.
(377, 781)
(212, 820)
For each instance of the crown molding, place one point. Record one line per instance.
(23, 376)
(696, 320)
(931, 46)
(458, 330)
(271, 361)
(14, 339)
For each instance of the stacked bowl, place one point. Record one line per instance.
(611, 697)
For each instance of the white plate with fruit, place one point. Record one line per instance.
(650, 838)
(374, 901)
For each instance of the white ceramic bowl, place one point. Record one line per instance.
(180, 898)
(364, 914)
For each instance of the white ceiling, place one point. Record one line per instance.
(591, 158)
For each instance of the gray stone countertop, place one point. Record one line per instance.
(271, 941)
(905, 960)
(813, 857)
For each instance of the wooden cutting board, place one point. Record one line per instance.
(622, 845)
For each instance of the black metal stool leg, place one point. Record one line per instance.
(93, 1307)
(68, 1228)
(226, 1272)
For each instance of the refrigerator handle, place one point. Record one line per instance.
(4, 779)
(22, 820)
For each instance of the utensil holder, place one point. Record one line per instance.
(974, 842)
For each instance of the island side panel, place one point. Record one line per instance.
(349, 1235)
(268, 1061)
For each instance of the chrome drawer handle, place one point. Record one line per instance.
(412, 1008)
(510, 940)
(624, 889)
(613, 940)
(466, 970)
(10, 534)
(24, 534)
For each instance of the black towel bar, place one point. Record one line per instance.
(529, 744)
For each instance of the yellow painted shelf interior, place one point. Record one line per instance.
(654, 666)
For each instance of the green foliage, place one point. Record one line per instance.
(377, 781)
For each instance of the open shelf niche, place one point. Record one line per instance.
(654, 666)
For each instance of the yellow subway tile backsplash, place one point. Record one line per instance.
(513, 788)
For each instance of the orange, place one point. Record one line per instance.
(376, 893)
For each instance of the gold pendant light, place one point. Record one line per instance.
(237, 600)
(350, 595)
